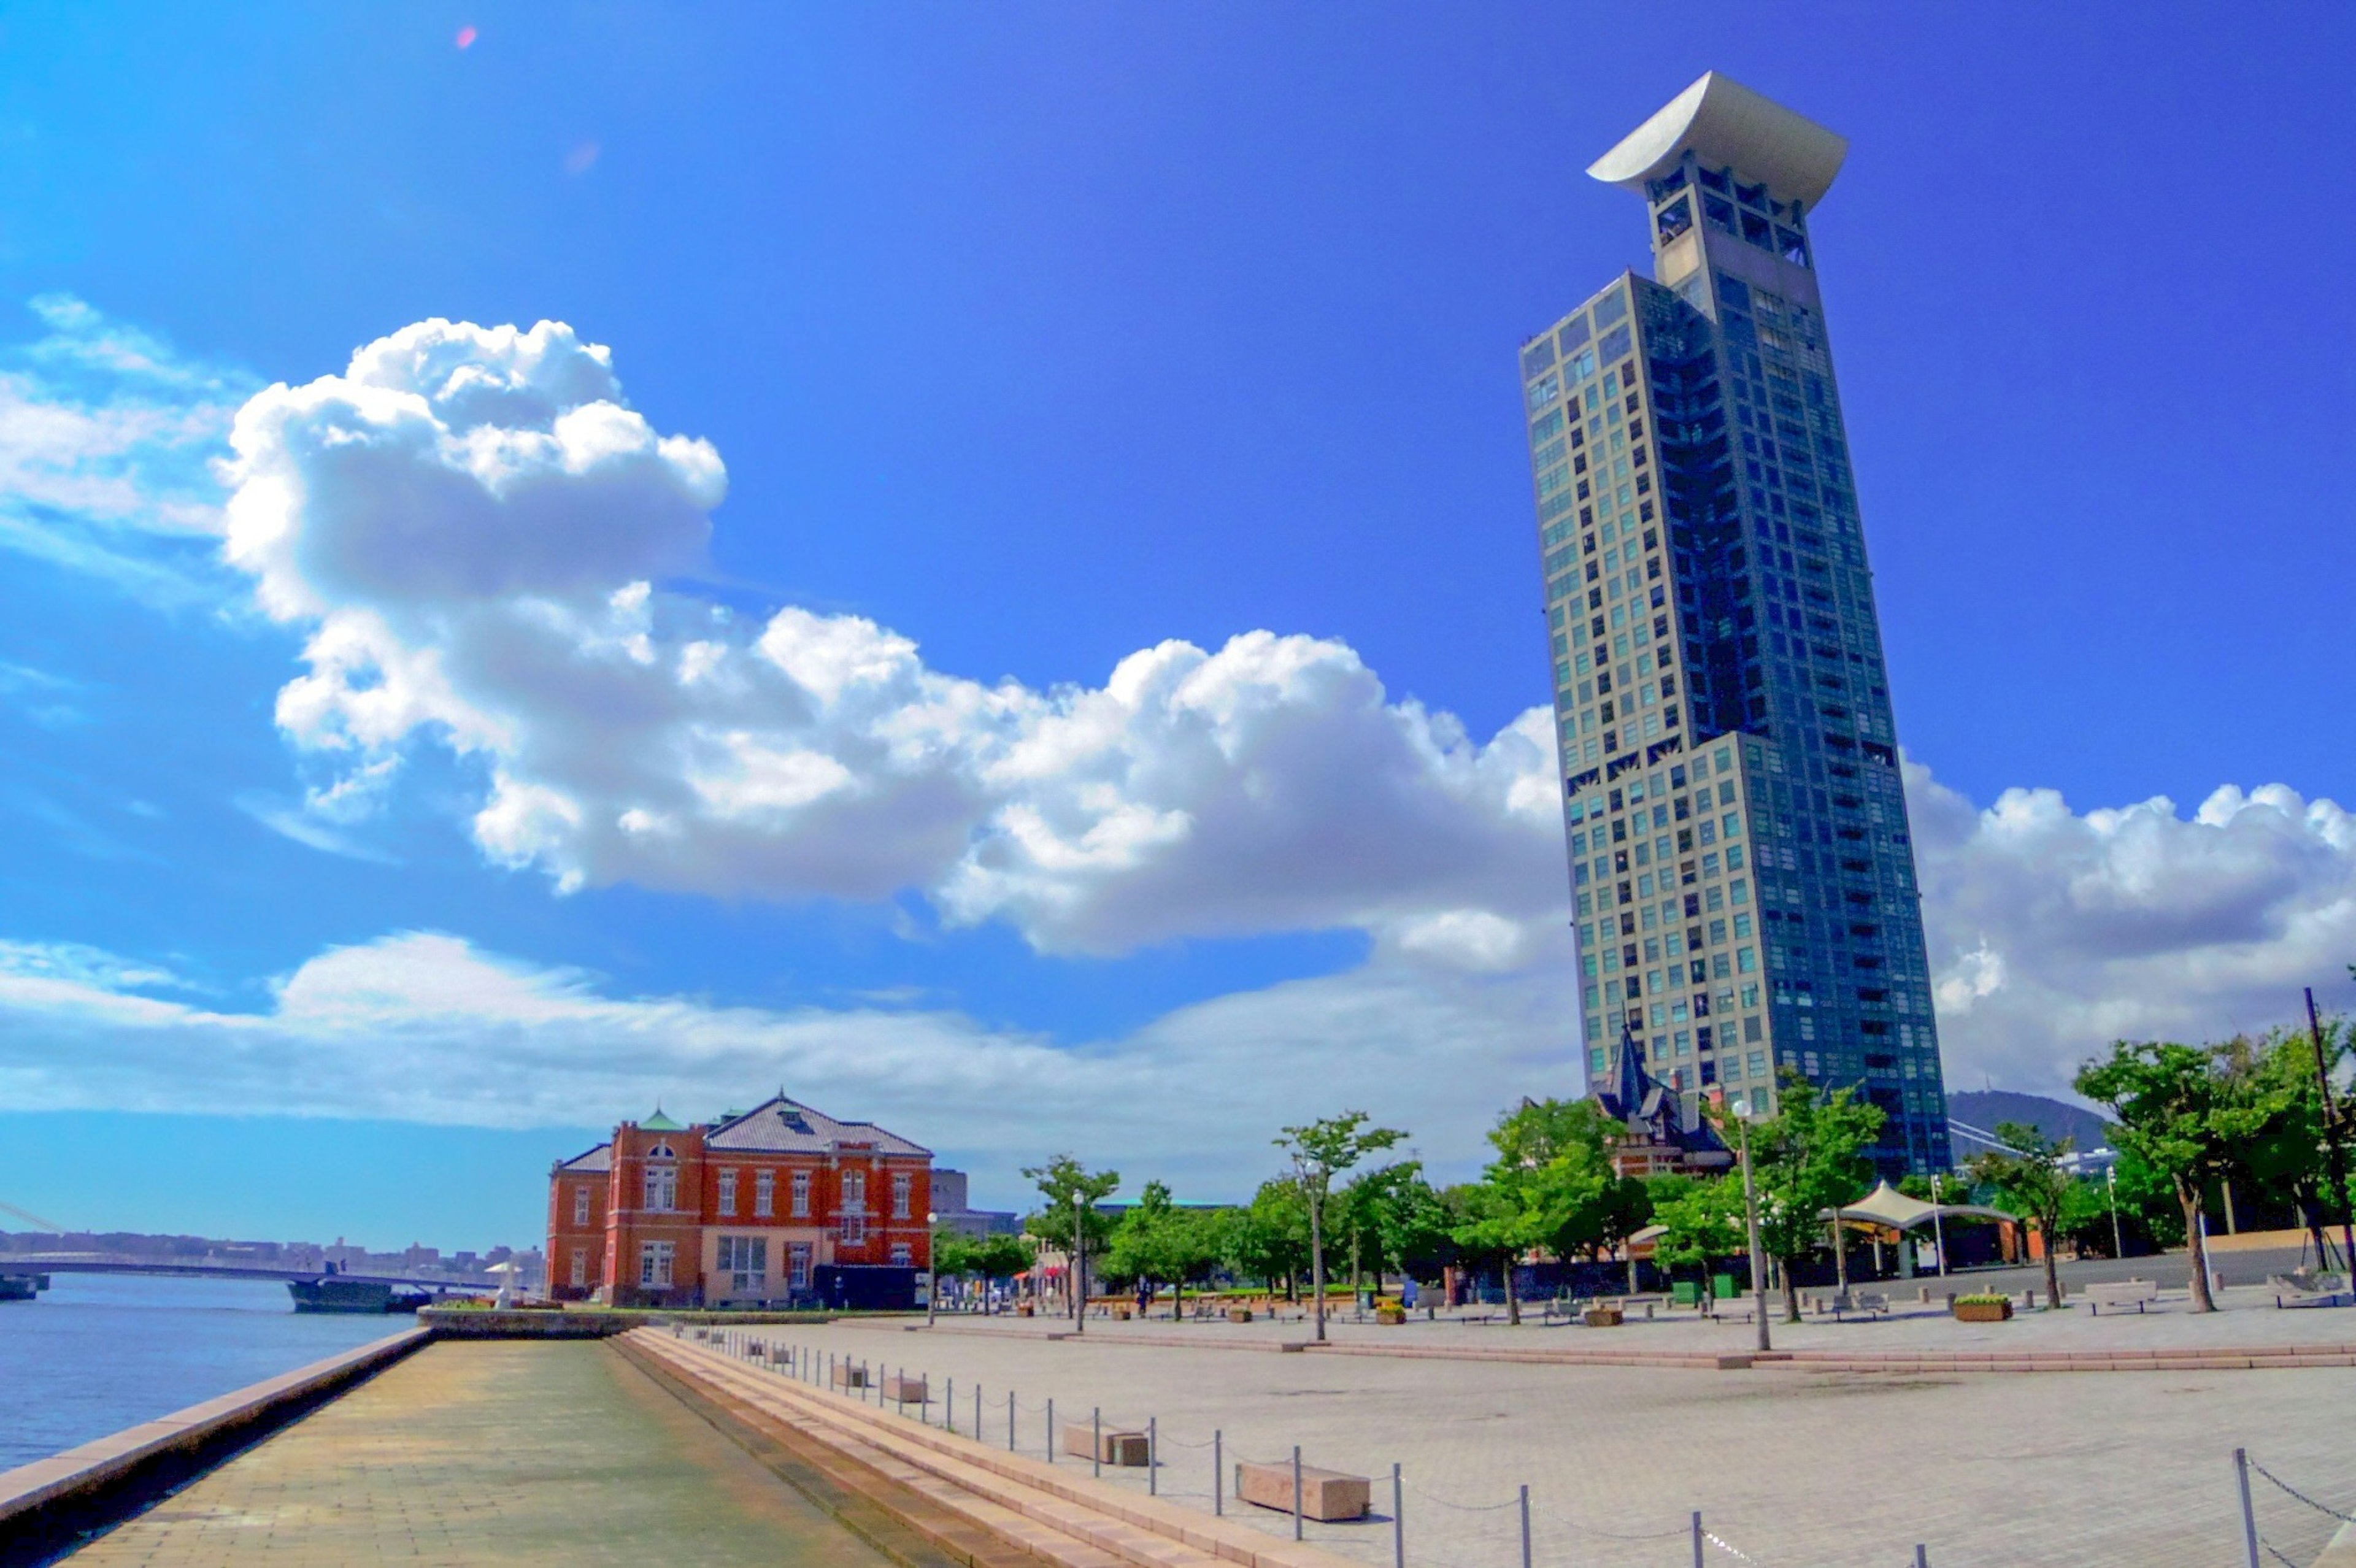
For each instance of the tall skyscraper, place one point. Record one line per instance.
(1740, 861)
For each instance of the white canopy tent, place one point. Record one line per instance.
(1892, 1210)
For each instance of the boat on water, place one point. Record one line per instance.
(335, 1293)
(22, 1286)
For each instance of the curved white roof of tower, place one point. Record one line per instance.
(1724, 122)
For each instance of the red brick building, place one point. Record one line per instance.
(778, 1204)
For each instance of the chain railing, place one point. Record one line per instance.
(2283, 1534)
(1520, 1529)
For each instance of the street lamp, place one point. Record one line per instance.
(2111, 1184)
(1938, 1225)
(1080, 1268)
(1750, 1223)
(932, 1270)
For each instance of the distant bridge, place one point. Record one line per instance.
(124, 1263)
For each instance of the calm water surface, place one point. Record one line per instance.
(97, 1353)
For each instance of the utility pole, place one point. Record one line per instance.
(1750, 1225)
(2331, 1135)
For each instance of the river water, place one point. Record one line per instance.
(96, 1353)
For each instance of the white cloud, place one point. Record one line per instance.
(106, 436)
(470, 524)
(423, 1027)
(2053, 932)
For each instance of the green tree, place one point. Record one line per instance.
(1195, 1245)
(1701, 1221)
(1550, 1185)
(2175, 1109)
(981, 1257)
(1270, 1240)
(1140, 1248)
(1627, 1208)
(1320, 1151)
(2285, 1160)
(1068, 1217)
(1399, 1218)
(2030, 1180)
(1806, 1158)
(1488, 1227)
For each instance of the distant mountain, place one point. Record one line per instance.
(1983, 1108)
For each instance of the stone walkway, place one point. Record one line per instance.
(558, 1453)
(1829, 1468)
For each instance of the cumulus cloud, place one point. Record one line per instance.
(106, 439)
(424, 1026)
(474, 528)
(2053, 932)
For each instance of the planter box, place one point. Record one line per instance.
(1327, 1496)
(1983, 1311)
(1114, 1445)
(1394, 1315)
(1600, 1318)
(1024, 1310)
(1239, 1315)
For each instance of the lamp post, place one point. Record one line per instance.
(1751, 1224)
(932, 1271)
(2111, 1185)
(1079, 1269)
(1938, 1225)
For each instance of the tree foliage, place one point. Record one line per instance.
(981, 1257)
(1806, 1158)
(1320, 1151)
(2180, 1111)
(2030, 1180)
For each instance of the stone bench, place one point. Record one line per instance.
(848, 1375)
(1114, 1445)
(1326, 1496)
(2135, 1292)
(899, 1387)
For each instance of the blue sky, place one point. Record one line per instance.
(1041, 336)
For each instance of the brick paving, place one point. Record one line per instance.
(1828, 1468)
(557, 1453)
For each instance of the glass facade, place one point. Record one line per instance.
(1742, 865)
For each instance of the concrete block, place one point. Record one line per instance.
(846, 1375)
(1114, 1445)
(1326, 1495)
(899, 1387)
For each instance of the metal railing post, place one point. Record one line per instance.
(1399, 1519)
(1921, 1555)
(1051, 1429)
(1296, 1495)
(1010, 1421)
(1696, 1538)
(1218, 1473)
(1525, 1526)
(2249, 1514)
(1096, 1441)
(1152, 1463)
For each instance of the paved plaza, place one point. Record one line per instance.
(547, 1453)
(1788, 1467)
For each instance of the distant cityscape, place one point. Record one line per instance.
(422, 1262)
